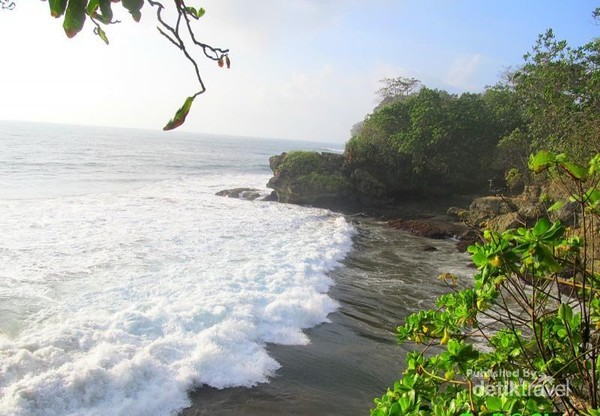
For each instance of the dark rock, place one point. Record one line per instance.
(370, 190)
(242, 193)
(430, 228)
(490, 206)
(429, 248)
(504, 222)
(271, 197)
(466, 239)
(568, 214)
(457, 213)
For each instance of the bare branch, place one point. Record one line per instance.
(7, 4)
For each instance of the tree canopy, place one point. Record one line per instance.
(422, 138)
(431, 138)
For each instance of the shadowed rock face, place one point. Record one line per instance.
(311, 178)
(430, 228)
(327, 180)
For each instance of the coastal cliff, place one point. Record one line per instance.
(311, 178)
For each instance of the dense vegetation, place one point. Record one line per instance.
(422, 138)
(524, 337)
(431, 138)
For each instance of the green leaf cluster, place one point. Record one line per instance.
(76, 12)
(525, 338)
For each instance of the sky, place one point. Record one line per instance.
(301, 69)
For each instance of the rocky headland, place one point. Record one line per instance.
(327, 180)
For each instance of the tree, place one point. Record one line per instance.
(395, 89)
(560, 89)
(433, 139)
(180, 27)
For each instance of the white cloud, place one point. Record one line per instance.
(463, 72)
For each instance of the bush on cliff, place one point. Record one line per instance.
(310, 178)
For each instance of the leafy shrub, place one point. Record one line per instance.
(514, 179)
(525, 338)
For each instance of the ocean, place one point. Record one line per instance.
(128, 288)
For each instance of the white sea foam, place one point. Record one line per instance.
(120, 303)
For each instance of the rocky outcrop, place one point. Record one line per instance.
(430, 228)
(439, 228)
(500, 213)
(242, 193)
(311, 178)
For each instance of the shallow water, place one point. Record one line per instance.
(354, 358)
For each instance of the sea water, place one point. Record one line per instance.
(125, 282)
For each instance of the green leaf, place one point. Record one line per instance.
(74, 17)
(134, 7)
(106, 9)
(561, 157)
(592, 196)
(196, 14)
(493, 403)
(180, 115)
(594, 165)
(576, 171)
(92, 7)
(541, 161)
(98, 31)
(565, 312)
(556, 206)
(541, 227)
(57, 7)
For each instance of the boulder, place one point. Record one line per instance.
(457, 213)
(504, 222)
(491, 206)
(243, 193)
(430, 228)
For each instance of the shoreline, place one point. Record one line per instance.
(353, 358)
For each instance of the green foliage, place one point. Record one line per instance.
(313, 173)
(559, 87)
(514, 179)
(134, 7)
(76, 12)
(299, 163)
(526, 336)
(74, 17)
(325, 183)
(432, 137)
